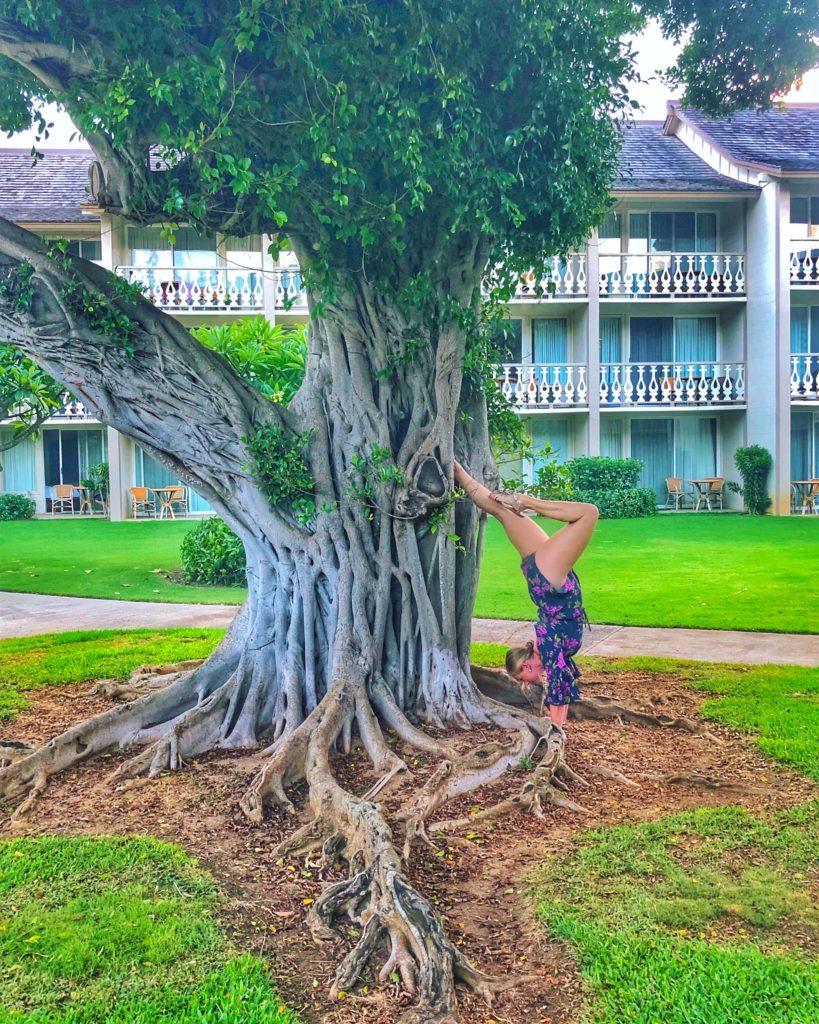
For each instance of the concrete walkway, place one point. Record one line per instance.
(30, 614)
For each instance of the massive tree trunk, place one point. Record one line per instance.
(355, 618)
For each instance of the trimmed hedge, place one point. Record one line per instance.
(213, 554)
(16, 506)
(632, 503)
(611, 485)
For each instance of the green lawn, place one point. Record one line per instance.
(55, 659)
(95, 558)
(698, 918)
(711, 571)
(119, 931)
(708, 571)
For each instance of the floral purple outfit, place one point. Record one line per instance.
(559, 630)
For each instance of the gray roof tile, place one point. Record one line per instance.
(786, 138)
(49, 192)
(652, 162)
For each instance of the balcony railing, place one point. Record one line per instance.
(805, 376)
(672, 384)
(805, 266)
(566, 278)
(681, 275)
(539, 386)
(216, 289)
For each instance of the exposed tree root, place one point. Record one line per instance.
(142, 680)
(702, 781)
(597, 708)
(12, 750)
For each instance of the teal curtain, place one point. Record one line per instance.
(695, 447)
(652, 441)
(149, 473)
(19, 474)
(814, 329)
(695, 339)
(196, 503)
(93, 448)
(610, 228)
(801, 468)
(706, 232)
(652, 339)
(611, 345)
(799, 329)
(555, 432)
(611, 437)
(551, 339)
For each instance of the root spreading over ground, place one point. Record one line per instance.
(352, 840)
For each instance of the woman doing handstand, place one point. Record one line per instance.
(553, 586)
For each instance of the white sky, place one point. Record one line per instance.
(654, 53)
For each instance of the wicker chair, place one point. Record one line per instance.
(141, 501)
(676, 496)
(62, 498)
(178, 500)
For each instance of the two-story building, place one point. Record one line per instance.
(687, 327)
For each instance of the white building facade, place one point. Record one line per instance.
(686, 328)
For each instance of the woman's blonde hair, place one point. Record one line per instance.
(516, 656)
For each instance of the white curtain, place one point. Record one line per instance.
(801, 468)
(19, 475)
(555, 432)
(652, 441)
(695, 339)
(611, 437)
(695, 447)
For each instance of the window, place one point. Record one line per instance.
(190, 249)
(804, 217)
(610, 234)
(804, 330)
(552, 431)
(684, 447)
(681, 231)
(87, 248)
(665, 339)
(551, 340)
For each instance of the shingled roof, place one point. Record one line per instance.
(784, 138)
(50, 191)
(653, 162)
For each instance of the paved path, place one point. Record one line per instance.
(29, 614)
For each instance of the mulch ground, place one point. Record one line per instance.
(481, 885)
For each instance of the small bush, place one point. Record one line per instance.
(754, 464)
(552, 479)
(595, 473)
(213, 554)
(627, 503)
(611, 485)
(16, 506)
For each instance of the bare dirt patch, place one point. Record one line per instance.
(478, 879)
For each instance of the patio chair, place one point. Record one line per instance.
(714, 493)
(676, 496)
(796, 498)
(141, 501)
(178, 500)
(810, 502)
(62, 498)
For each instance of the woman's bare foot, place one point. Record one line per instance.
(508, 500)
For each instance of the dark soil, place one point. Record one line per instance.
(479, 884)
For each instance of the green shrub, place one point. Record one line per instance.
(611, 485)
(212, 553)
(552, 478)
(626, 503)
(16, 506)
(754, 464)
(596, 473)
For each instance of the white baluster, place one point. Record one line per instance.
(604, 385)
(567, 282)
(617, 387)
(728, 278)
(628, 384)
(620, 283)
(703, 385)
(582, 388)
(715, 382)
(678, 280)
(543, 392)
(807, 380)
(581, 282)
(740, 382)
(233, 295)
(666, 385)
(690, 387)
(641, 385)
(557, 387)
(739, 277)
(665, 279)
(690, 278)
(678, 383)
(653, 386)
(728, 384)
(570, 385)
(532, 390)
